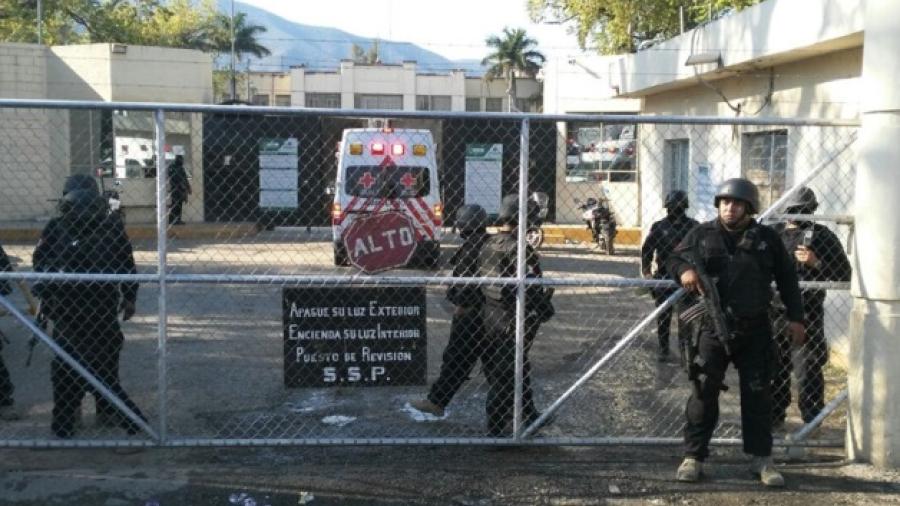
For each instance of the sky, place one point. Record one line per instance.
(455, 29)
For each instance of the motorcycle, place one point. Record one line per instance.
(601, 221)
(534, 234)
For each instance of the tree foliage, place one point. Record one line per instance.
(368, 57)
(512, 55)
(619, 26)
(194, 24)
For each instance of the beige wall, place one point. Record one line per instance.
(33, 142)
(45, 146)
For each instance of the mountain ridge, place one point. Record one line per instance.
(322, 48)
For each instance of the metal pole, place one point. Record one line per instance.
(40, 22)
(233, 78)
(161, 242)
(520, 276)
(88, 376)
(633, 333)
(681, 18)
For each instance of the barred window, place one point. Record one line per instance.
(473, 104)
(493, 104)
(391, 102)
(676, 165)
(323, 100)
(764, 161)
(283, 100)
(260, 99)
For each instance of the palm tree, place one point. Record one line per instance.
(245, 36)
(513, 54)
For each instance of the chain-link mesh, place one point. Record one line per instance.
(316, 275)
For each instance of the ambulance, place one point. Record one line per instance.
(387, 169)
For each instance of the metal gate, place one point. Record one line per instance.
(250, 335)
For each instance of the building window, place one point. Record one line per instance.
(523, 105)
(764, 162)
(493, 104)
(323, 100)
(260, 100)
(676, 165)
(283, 100)
(390, 102)
(432, 102)
(473, 104)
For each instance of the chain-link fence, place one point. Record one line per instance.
(307, 276)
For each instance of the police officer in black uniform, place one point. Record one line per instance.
(664, 235)
(464, 346)
(7, 412)
(498, 259)
(743, 257)
(819, 256)
(86, 239)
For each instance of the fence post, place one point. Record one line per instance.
(873, 380)
(520, 275)
(162, 219)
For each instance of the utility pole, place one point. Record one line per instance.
(233, 78)
(40, 22)
(248, 82)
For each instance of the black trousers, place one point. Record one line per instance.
(6, 385)
(464, 347)
(500, 370)
(752, 355)
(812, 357)
(97, 349)
(664, 320)
(175, 206)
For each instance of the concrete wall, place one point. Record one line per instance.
(33, 142)
(46, 146)
(825, 87)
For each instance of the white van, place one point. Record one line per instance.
(382, 169)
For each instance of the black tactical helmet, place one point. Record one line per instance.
(803, 201)
(471, 218)
(80, 182)
(740, 189)
(509, 210)
(676, 199)
(82, 209)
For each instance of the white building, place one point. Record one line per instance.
(778, 59)
(42, 147)
(387, 86)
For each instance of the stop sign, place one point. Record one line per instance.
(380, 242)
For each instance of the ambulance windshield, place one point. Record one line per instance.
(387, 182)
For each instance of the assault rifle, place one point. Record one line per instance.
(709, 305)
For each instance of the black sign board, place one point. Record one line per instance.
(354, 336)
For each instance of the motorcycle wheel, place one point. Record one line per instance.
(607, 244)
(535, 237)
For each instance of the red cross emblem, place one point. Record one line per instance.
(408, 180)
(367, 180)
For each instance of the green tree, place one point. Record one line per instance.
(360, 55)
(246, 36)
(193, 24)
(512, 54)
(619, 26)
